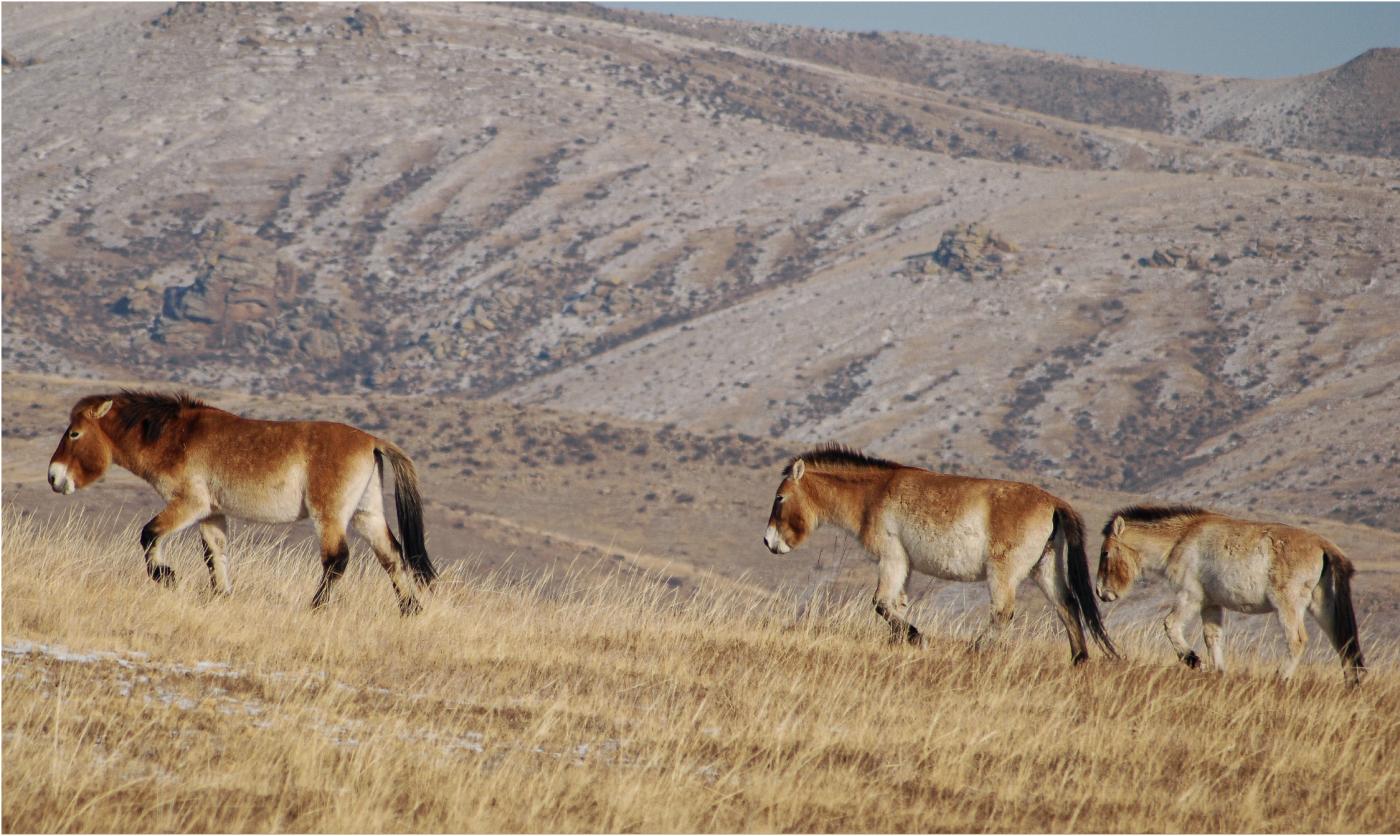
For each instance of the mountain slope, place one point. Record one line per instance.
(601, 215)
(1352, 109)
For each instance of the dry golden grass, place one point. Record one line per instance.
(614, 705)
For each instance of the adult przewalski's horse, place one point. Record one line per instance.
(951, 527)
(1215, 563)
(209, 465)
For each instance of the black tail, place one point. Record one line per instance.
(409, 504)
(1081, 586)
(1348, 641)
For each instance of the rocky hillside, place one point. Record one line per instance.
(740, 229)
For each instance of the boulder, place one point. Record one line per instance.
(967, 249)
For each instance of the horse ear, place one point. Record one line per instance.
(798, 468)
(1117, 526)
(103, 409)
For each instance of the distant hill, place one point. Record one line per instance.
(976, 257)
(1354, 108)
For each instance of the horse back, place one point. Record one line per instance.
(276, 470)
(967, 520)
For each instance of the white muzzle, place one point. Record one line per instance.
(774, 541)
(59, 481)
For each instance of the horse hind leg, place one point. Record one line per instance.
(1324, 612)
(1290, 618)
(1002, 580)
(214, 531)
(375, 529)
(1213, 628)
(335, 556)
(1050, 577)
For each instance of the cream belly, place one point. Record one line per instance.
(282, 502)
(1238, 581)
(1239, 586)
(955, 553)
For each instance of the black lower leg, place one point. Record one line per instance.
(334, 564)
(209, 562)
(901, 631)
(1191, 659)
(159, 572)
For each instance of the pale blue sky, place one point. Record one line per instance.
(1256, 40)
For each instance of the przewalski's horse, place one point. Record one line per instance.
(209, 465)
(952, 527)
(1215, 563)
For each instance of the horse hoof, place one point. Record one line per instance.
(1192, 660)
(1080, 658)
(163, 575)
(409, 606)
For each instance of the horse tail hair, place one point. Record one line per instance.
(409, 504)
(1338, 588)
(1081, 588)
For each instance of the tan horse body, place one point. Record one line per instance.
(951, 527)
(209, 465)
(1215, 563)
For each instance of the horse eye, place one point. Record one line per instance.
(74, 434)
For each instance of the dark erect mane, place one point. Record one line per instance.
(837, 455)
(1151, 514)
(151, 411)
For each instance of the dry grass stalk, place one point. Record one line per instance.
(616, 705)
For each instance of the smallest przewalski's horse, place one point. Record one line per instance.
(957, 528)
(209, 465)
(1215, 563)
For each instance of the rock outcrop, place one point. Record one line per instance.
(968, 250)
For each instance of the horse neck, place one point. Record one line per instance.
(129, 450)
(1154, 541)
(841, 498)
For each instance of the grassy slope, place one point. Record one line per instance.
(615, 705)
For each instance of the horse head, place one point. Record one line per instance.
(1119, 563)
(85, 451)
(794, 516)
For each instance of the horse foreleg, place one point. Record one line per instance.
(1175, 625)
(892, 594)
(1002, 590)
(181, 513)
(1213, 627)
(214, 531)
